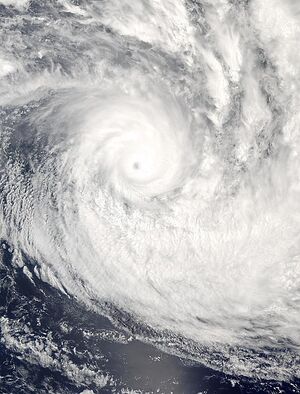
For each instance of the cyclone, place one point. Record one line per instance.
(149, 163)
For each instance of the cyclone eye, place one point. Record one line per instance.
(136, 165)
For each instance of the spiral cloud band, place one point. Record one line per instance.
(150, 160)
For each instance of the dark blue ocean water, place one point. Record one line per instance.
(91, 341)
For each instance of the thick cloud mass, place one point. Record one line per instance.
(150, 159)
